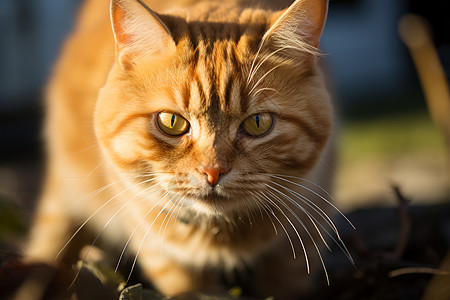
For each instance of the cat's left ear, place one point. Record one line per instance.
(138, 31)
(299, 26)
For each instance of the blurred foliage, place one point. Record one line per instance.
(11, 222)
(390, 135)
(99, 281)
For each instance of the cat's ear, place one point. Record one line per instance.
(138, 31)
(299, 26)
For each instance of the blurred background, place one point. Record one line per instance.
(386, 133)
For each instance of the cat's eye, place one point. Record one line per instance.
(172, 124)
(258, 124)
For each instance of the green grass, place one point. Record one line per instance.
(389, 136)
(11, 222)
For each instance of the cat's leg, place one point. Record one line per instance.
(167, 276)
(278, 274)
(172, 278)
(51, 229)
(49, 232)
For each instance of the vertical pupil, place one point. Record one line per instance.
(172, 121)
(257, 120)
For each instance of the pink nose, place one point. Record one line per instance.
(213, 174)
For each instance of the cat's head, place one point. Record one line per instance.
(207, 108)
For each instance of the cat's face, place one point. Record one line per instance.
(208, 121)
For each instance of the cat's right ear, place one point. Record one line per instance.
(297, 29)
(138, 32)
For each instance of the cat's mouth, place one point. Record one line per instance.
(208, 201)
(212, 197)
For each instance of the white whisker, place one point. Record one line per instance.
(250, 76)
(318, 252)
(310, 217)
(260, 203)
(135, 229)
(279, 222)
(315, 193)
(311, 205)
(116, 213)
(262, 78)
(143, 239)
(95, 213)
(324, 216)
(265, 89)
(292, 225)
(100, 190)
(318, 210)
(176, 204)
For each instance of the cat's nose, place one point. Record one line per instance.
(213, 174)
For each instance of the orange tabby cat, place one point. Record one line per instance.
(200, 148)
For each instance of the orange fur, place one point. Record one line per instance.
(214, 64)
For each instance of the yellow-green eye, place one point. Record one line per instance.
(258, 124)
(172, 124)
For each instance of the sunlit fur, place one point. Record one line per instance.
(115, 173)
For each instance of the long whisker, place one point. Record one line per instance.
(317, 208)
(253, 72)
(260, 203)
(100, 190)
(135, 229)
(98, 235)
(117, 212)
(143, 239)
(176, 204)
(265, 89)
(250, 213)
(324, 216)
(311, 218)
(292, 225)
(104, 227)
(86, 148)
(310, 204)
(250, 76)
(318, 252)
(89, 175)
(268, 208)
(314, 192)
(93, 214)
(262, 78)
(168, 215)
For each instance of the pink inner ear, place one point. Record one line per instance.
(118, 14)
(306, 16)
(317, 21)
(138, 32)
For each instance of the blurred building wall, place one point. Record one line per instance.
(365, 55)
(31, 32)
(360, 41)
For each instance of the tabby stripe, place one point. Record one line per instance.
(201, 90)
(244, 99)
(193, 66)
(234, 56)
(186, 95)
(225, 53)
(194, 62)
(283, 152)
(193, 36)
(236, 78)
(227, 92)
(123, 123)
(163, 146)
(316, 135)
